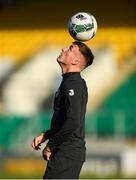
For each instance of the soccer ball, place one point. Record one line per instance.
(82, 26)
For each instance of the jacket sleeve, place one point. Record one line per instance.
(73, 99)
(48, 134)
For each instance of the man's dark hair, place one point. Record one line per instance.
(86, 52)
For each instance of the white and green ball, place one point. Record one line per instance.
(82, 26)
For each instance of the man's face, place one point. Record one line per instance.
(69, 55)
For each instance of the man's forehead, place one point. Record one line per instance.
(74, 45)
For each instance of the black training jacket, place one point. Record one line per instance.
(67, 131)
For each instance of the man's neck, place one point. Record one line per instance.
(66, 69)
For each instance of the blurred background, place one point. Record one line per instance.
(32, 33)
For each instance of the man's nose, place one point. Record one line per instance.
(64, 49)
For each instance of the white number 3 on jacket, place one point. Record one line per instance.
(71, 92)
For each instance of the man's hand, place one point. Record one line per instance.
(38, 141)
(46, 153)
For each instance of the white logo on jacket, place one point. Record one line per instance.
(71, 92)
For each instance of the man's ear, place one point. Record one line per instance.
(75, 61)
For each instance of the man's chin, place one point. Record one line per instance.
(58, 60)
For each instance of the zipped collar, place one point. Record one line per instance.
(71, 75)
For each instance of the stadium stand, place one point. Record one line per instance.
(116, 116)
(23, 43)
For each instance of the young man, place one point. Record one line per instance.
(65, 150)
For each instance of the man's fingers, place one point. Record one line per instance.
(33, 145)
(36, 142)
(46, 155)
(36, 145)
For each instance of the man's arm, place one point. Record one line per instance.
(73, 100)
